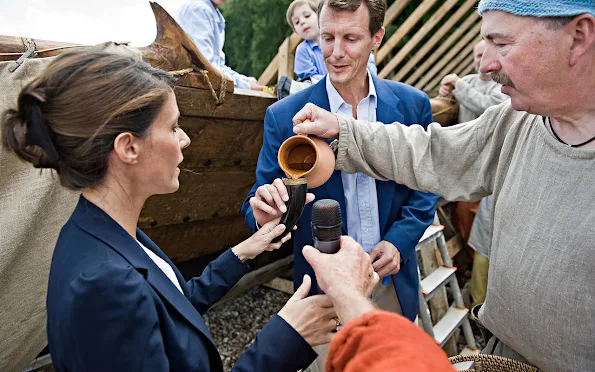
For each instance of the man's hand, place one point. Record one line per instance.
(447, 85)
(314, 120)
(386, 259)
(347, 277)
(269, 200)
(349, 269)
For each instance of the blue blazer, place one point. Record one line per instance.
(110, 308)
(404, 214)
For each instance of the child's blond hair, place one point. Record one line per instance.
(313, 4)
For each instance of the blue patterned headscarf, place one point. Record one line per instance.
(539, 8)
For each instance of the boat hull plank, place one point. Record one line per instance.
(187, 241)
(238, 106)
(202, 196)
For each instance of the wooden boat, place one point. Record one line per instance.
(226, 128)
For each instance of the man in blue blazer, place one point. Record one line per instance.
(386, 218)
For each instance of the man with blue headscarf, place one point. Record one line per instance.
(535, 155)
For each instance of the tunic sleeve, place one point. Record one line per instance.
(457, 162)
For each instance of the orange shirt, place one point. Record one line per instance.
(382, 341)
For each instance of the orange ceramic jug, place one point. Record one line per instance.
(309, 157)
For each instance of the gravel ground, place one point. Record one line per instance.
(234, 323)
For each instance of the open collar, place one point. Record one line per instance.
(99, 224)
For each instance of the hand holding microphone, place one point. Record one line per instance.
(347, 277)
(343, 269)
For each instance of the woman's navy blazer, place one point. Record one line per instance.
(110, 308)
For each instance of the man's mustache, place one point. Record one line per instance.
(502, 78)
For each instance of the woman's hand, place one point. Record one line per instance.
(260, 241)
(268, 203)
(312, 317)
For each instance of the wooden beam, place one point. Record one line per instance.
(395, 38)
(284, 60)
(394, 11)
(271, 72)
(464, 65)
(258, 277)
(473, 18)
(454, 246)
(461, 60)
(417, 38)
(281, 285)
(449, 56)
(12, 47)
(469, 69)
(465, 55)
(446, 27)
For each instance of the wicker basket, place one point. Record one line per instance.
(492, 363)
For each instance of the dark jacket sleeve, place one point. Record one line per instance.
(277, 348)
(418, 213)
(267, 167)
(115, 323)
(216, 280)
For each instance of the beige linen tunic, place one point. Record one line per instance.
(541, 292)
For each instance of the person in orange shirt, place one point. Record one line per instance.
(370, 340)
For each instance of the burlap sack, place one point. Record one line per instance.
(33, 209)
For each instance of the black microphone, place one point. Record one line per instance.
(326, 225)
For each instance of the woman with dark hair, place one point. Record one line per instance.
(108, 125)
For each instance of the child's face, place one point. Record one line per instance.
(305, 22)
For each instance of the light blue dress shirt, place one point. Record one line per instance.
(206, 26)
(310, 62)
(361, 198)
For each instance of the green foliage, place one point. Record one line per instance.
(254, 31)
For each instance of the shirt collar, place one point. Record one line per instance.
(312, 44)
(219, 15)
(335, 99)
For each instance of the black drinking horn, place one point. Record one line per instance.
(296, 190)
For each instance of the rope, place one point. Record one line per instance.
(219, 99)
(493, 363)
(181, 72)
